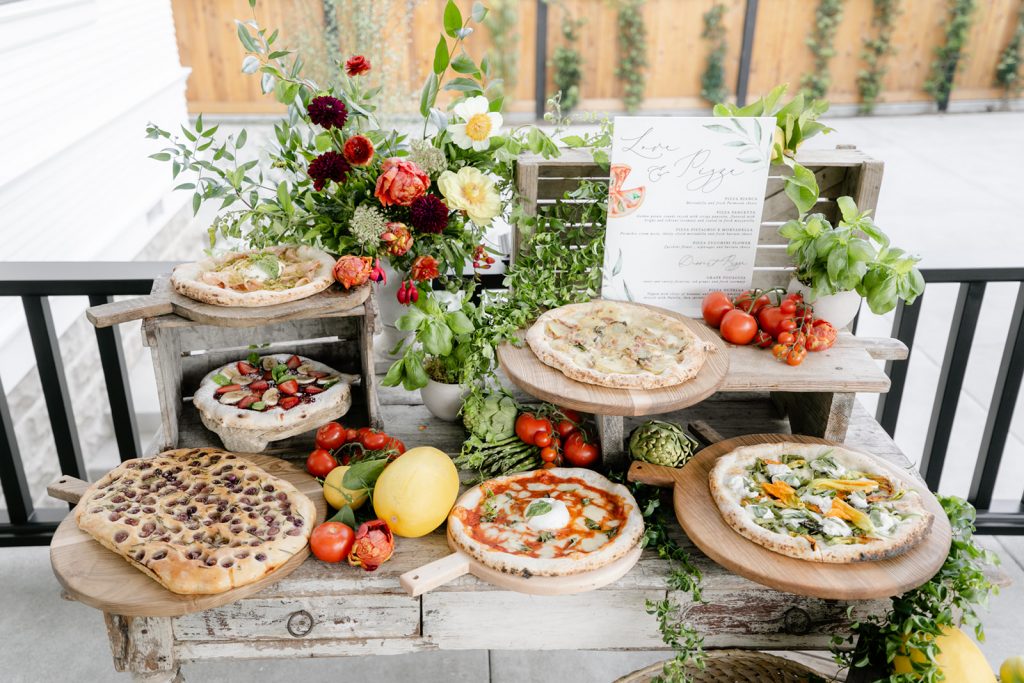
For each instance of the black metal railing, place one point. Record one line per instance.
(994, 516)
(35, 283)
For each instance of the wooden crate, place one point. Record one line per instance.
(185, 351)
(842, 171)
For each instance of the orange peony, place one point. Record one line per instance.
(400, 182)
(352, 271)
(373, 545)
(397, 239)
(424, 268)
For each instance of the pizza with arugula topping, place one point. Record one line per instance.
(552, 522)
(261, 277)
(818, 502)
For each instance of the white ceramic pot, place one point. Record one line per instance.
(390, 310)
(839, 309)
(443, 400)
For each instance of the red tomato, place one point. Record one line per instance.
(289, 387)
(331, 541)
(787, 325)
(395, 445)
(571, 415)
(528, 426)
(351, 435)
(780, 351)
(542, 439)
(320, 463)
(548, 454)
(771, 318)
(738, 327)
(786, 338)
(763, 339)
(714, 307)
(293, 362)
(565, 428)
(746, 302)
(331, 436)
(372, 440)
(788, 307)
(288, 402)
(579, 452)
(245, 368)
(821, 335)
(796, 355)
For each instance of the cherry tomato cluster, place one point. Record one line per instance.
(787, 326)
(337, 445)
(408, 293)
(481, 259)
(559, 434)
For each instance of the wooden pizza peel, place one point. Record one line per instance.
(164, 300)
(530, 374)
(100, 578)
(698, 514)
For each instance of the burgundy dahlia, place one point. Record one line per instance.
(358, 150)
(357, 65)
(328, 111)
(428, 214)
(328, 166)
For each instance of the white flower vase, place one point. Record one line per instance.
(443, 400)
(390, 311)
(839, 309)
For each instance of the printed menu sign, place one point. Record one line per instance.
(684, 207)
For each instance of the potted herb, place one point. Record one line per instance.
(838, 265)
(432, 358)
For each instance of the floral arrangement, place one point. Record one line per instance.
(339, 181)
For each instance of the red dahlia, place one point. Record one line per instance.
(328, 111)
(428, 214)
(358, 150)
(328, 166)
(357, 65)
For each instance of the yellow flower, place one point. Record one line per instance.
(480, 124)
(471, 191)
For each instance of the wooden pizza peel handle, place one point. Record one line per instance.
(655, 475)
(437, 573)
(67, 489)
(140, 307)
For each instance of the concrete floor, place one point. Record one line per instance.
(949, 194)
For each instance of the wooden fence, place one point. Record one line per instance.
(676, 52)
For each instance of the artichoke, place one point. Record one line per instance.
(662, 443)
(490, 418)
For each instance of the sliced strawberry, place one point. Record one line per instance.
(259, 385)
(289, 387)
(247, 401)
(288, 402)
(293, 362)
(313, 389)
(318, 375)
(227, 387)
(245, 368)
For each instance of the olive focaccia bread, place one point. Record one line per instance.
(198, 521)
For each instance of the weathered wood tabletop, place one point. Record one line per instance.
(331, 610)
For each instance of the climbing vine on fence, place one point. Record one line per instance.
(1008, 68)
(632, 36)
(567, 60)
(820, 40)
(876, 48)
(947, 55)
(502, 22)
(712, 81)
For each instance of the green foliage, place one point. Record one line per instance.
(568, 61)
(950, 598)
(947, 55)
(826, 20)
(1008, 68)
(876, 49)
(632, 37)
(712, 81)
(852, 256)
(502, 23)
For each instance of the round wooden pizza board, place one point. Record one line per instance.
(698, 514)
(164, 300)
(534, 377)
(100, 578)
(450, 567)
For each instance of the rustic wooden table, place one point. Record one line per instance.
(323, 610)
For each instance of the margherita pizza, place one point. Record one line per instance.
(617, 344)
(546, 523)
(199, 521)
(262, 277)
(818, 502)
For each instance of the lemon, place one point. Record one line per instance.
(1012, 670)
(960, 659)
(415, 493)
(337, 495)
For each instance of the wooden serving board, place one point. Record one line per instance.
(450, 567)
(100, 578)
(164, 300)
(698, 514)
(527, 372)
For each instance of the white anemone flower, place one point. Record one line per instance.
(480, 124)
